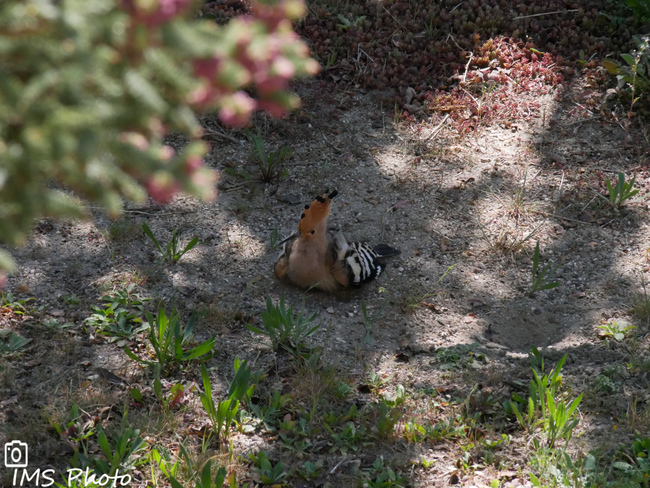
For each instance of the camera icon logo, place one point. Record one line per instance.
(16, 454)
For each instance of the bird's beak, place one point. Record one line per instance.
(295, 234)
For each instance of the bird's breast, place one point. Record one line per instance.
(309, 266)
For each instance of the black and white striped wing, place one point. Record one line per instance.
(362, 263)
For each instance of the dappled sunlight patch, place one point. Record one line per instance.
(240, 240)
(119, 279)
(468, 112)
(504, 59)
(503, 83)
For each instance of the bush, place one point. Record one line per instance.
(88, 91)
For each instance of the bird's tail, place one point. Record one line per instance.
(384, 251)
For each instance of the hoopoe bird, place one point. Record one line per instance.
(316, 257)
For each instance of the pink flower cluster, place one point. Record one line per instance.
(163, 184)
(262, 51)
(155, 12)
(256, 54)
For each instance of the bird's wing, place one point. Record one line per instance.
(362, 263)
(282, 263)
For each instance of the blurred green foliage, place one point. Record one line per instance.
(89, 90)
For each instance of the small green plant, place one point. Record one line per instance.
(119, 325)
(169, 340)
(458, 357)
(641, 9)
(540, 281)
(636, 74)
(173, 252)
(71, 300)
(201, 479)
(619, 192)
(342, 390)
(269, 474)
(53, 324)
(19, 307)
(604, 385)
(205, 479)
(238, 172)
(294, 435)
(546, 407)
(346, 24)
(414, 432)
(390, 412)
(270, 164)
(641, 454)
(125, 455)
(616, 329)
(176, 393)
(270, 414)
(397, 114)
(629, 467)
(331, 58)
(641, 307)
(12, 343)
(411, 303)
(127, 444)
(160, 457)
(311, 470)
(375, 381)
(126, 297)
(582, 61)
(274, 239)
(223, 413)
(120, 317)
(287, 330)
(380, 476)
(370, 320)
(77, 431)
(345, 438)
(426, 464)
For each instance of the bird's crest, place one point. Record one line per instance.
(315, 213)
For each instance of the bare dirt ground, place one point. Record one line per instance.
(452, 315)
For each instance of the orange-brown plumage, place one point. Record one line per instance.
(314, 216)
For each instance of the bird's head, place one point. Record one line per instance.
(313, 221)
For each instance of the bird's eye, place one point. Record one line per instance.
(313, 231)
